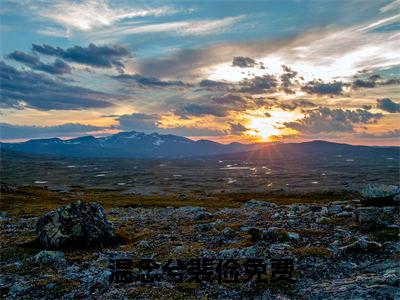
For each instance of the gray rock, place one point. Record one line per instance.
(18, 289)
(380, 194)
(279, 247)
(144, 244)
(258, 204)
(50, 257)
(195, 212)
(75, 226)
(361, 245)
(374, 216)
(392, 277)
(324, 211)
(271, 234)
(228, 233)
(322, 220)
(203, 227)
(335, 209)
(293, 235)
(344, 214)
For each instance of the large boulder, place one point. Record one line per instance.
(375, 216)
(78, 225)
(380, 195)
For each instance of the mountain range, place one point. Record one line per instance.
(141, 145)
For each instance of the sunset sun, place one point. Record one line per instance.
(263, 128)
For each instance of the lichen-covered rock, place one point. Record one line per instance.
(380, 194)
(78, 225)
(374, 216)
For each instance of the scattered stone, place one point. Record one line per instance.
(7, 188)
(196, 212)
(75, 226)
(258, 204)
(272, 235)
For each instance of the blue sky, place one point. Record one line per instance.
(223, 70)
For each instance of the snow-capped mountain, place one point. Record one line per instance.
(128, 144)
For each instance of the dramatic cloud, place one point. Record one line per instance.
(196, 109)
(287, 80)
(243, 62)
(332, 120)
(237, 128)
(259, 84)
(296, 104)
(139, 121)
(388, 105)
(320, 88)
(94, 56)
(374, 81)
(148, 81)
(26, 88)
(58, 67)
(152, 122)
(10, 131)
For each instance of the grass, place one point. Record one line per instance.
(34, 201)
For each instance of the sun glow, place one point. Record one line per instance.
(263, 128)
(267, 128)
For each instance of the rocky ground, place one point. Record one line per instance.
(347, 249)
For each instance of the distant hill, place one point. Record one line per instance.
(140, 145)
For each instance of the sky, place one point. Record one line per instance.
(246, 71)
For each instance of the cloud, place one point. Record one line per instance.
(196, 109)
(292, 105)
(178, 28)
(326, 120)
(34, 90)
(320, 88)
(243, 62)
(58, 67)
(287, 80)
(374, 81)
(94, 56)
(88, 15)
(214, 85)
(259, 84)
(237, 128)
(139, 121)
(148, 81)
(392, 134)
(388, 105)
(152, 123)
(11, 131)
